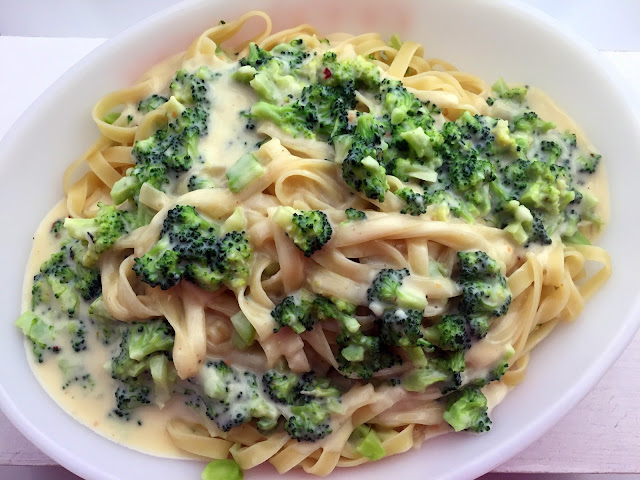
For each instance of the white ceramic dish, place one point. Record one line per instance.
(490, 39)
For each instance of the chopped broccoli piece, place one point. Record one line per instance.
(353, 214)
(416, 203)
(449, 334)
(310, 230)
(387, 291)
(503, 91)
(363, 173)
(150, 103)
(150, 337)
(40, 333)
(111, 117)
(295, 313)
(367, 443)
(222, 469)
(467, 410)
(100, 233)
(484, 288)
(588, 164)
(243, 172)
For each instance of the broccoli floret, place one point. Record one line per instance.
(281, 387)
(312, 401)
(362, 172)
(398, 101)
(549, 188)
(191, 88)
(406, 169)
(467, 410)
(449, 334)
(78, 332)
(228, 262)
(310, 230)
(367, 443)
(292, 118)
(64, 277)
(142, 377)
(387, 291)
(176, 151)
(243, 172)
(161, 266)
(362, 355)
(189, 246)
(362, 73)
(552, 150)
(343, 312)
(400, 327)
(307, 423)
(131, 395)
(174, 148)
(123, 367)
(588, 164)
(40, 333)
(353, 214)
(530, 122)
(56, 227)
(100, 233)
(420, 378)
(150, 103)
(516, 93)
(232, 397)
(257, 57)
(485, 292)
(328, 106)
(200, 182)
(295, 313)
(416, 203)
(150, 337)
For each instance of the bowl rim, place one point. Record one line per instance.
(523, 437)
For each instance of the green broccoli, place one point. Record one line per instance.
(387, 291)
(588, 164)
(294, 312)
(40, 333)
(362, 172)
(243, 172)
(484, 288)
(150, 103)
(310, 230)
(100, 233)
(449, 334)
(416, 203)
(516, 93)
(467, 410)
(353, 214)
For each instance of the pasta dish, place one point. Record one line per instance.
(310, 250)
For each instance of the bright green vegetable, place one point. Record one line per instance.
(222, 469)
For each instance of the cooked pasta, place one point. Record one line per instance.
(309, 250)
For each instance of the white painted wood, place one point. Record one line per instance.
(601, 435)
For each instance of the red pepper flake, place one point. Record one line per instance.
(327, 73)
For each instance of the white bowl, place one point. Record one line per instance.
(490, 39)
